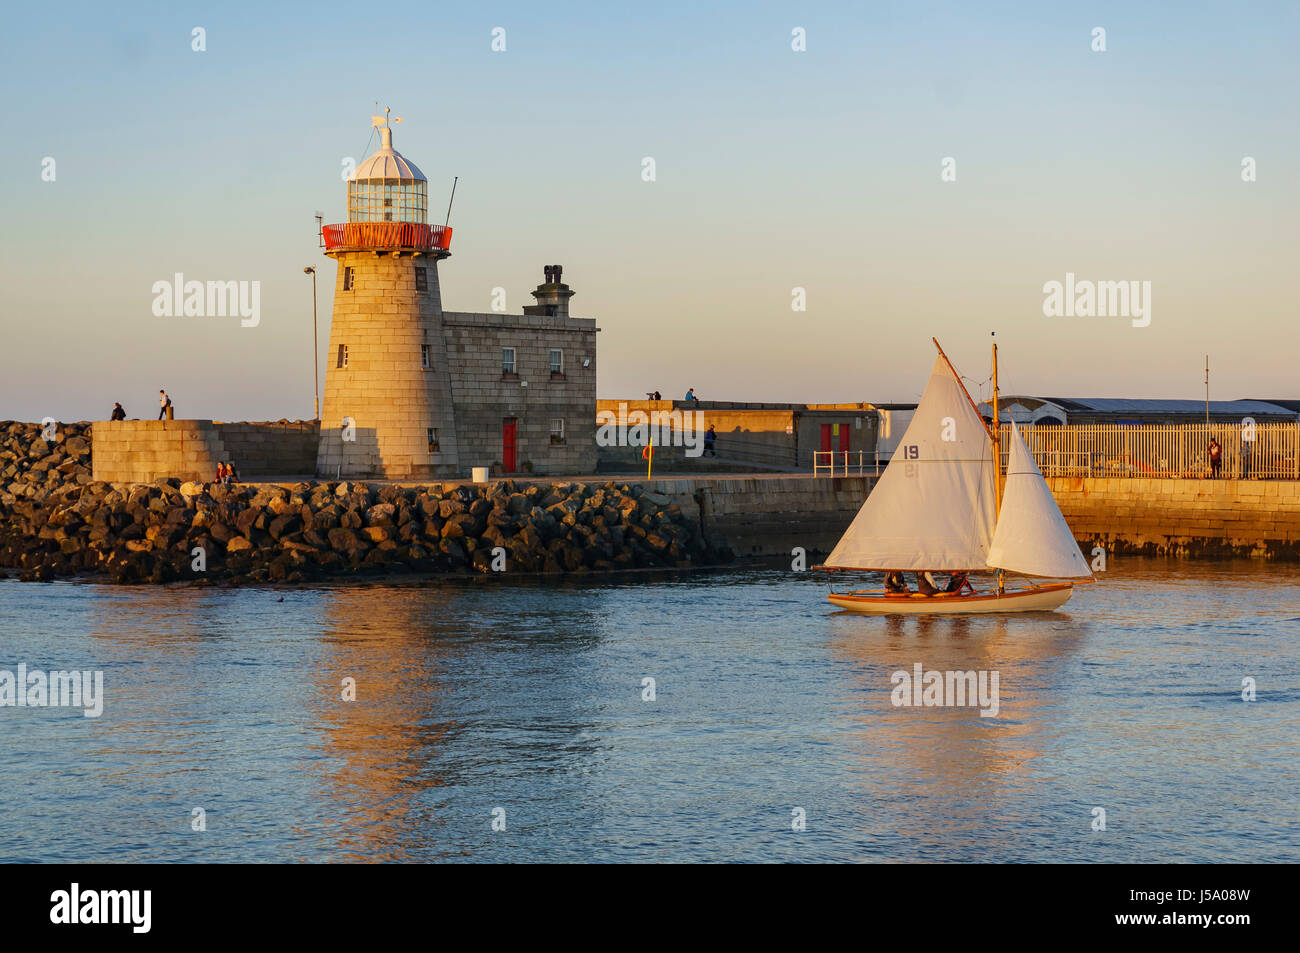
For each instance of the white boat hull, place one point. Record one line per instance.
(1031, 599)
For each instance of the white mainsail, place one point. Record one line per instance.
(1032, 536)
(934, 505)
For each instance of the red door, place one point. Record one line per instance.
(508, 443)
(844, 436)
(826, 436)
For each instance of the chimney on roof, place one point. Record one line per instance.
(552, 295)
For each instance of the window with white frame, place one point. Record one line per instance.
(557, 430)
(508, 367)
(557, 362)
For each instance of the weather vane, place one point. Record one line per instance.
(384, 120)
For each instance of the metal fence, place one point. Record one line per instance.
(1263, 451)
(845, 462)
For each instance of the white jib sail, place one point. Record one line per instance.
(1032, 536)
(934, 505)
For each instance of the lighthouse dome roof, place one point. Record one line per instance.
(388, 163)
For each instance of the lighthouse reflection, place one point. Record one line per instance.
(939, 774)
(386, 655)
(434, 741)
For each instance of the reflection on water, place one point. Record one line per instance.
(960, 769)
(528, 697)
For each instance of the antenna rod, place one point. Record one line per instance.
(450, 200)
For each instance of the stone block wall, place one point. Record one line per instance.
(1183, 517)
(141, 451)
(280, 448)
(483, 397)
(1218, 518)
(766, 516)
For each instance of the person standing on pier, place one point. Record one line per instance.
(1216, 458)
(118, 412)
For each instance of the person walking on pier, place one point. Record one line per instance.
(710, 436)
(1216, 458)
(164, 405)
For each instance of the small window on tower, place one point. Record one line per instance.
(347, 279)
(343, 356)
(421, 280)
(557, 430)
(426, 359)
(433, 439)
(508, 362)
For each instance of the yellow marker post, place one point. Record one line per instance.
(648, 455)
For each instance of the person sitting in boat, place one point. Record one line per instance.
(894, 581)
(957, 582)
(926, 584)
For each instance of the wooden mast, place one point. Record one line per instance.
(997, 438)
(997, 449)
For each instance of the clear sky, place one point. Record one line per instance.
(775, 169)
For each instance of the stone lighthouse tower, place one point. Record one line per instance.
(388, 402)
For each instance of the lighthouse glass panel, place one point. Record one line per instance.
(388, 200)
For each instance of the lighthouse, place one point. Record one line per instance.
(413, 392)
(388, 408)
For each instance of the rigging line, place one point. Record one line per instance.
(957, 377)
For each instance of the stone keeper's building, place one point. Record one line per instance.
(414, 392)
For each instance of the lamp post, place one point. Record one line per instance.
(315, 344)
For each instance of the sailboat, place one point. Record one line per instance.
(937, 507)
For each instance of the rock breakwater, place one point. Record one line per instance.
(171, 531)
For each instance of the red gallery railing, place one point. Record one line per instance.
(385, 235)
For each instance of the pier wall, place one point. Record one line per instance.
(141, 451)
(1183, 517)
(764, 516)
(1230, 518)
